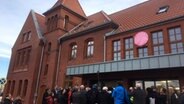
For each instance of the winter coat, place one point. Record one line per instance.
(181, 98)
(174, 98)
(104, 97)
(139, 96)
(162, 99)
(92, 96)
(83, 97)
(76, 97)
(7, 101)
(120, 95)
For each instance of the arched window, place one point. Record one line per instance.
(56, 20)
(46, 70)
(19, 88)
(90, 48)
(12, 88)
(73, 51)
(49, 47)
(25, 88)
(8, 87)
(66, 21)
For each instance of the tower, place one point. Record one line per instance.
(59, 19)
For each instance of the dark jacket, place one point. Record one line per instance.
(83, 97)
(104, 97)
(139, 96)
(76, 97)
(162, 99)
(174, 98)
(151, 94)
(62, 97)
(181, 98)
(7, 101)
(92, 96)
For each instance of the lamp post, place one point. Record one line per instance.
(98, 77)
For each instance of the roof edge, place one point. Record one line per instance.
(114, 25)
(38, 29)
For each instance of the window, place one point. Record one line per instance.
(19, 88)
(66, 21)
(28, 56)
(116, 50)
(23, 57)
(74, 51)
(25, 88)
(12, 88)
(163, 9)
(18, 59)
(26, 37)
(29, 35)
(129, 53)
(90, 48)
(143, 52)
(158, 46)
(8, 87)
(56, 20)
(49, 47)
(175, 37)
(46, 70)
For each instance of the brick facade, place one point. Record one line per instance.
(45, 57)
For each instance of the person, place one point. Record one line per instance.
(162, 97)
(8, 99)
(92, 95)
(181, 98)
(55, 92)
(17, 100)
(131, 89)
(76, 96)
(69, 95)
(152, 96)
(83, 95)
(104, 96)
(174, 97)
(120, 94)
(138, 95)
(47, 97)
(63, 96)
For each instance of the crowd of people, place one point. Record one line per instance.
(10, 100)
(117, 95)
(95, 95)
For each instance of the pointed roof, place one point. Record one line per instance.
(73, 5)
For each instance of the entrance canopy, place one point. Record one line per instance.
(146, 63)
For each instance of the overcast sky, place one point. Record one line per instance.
(14, 13)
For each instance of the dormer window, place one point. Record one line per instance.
(163, 9)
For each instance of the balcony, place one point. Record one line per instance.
(146, 63)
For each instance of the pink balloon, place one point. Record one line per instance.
(140, 39)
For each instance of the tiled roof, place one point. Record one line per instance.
(146, 14)
(73, 5)
(39, 22)
(91, 21)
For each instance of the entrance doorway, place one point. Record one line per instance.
(169, 85)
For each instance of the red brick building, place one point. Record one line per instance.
(65, 47)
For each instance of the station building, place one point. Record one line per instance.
(65, 47)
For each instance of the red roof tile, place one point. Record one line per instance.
(92, 21)
(146, 14)
(41, 22)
